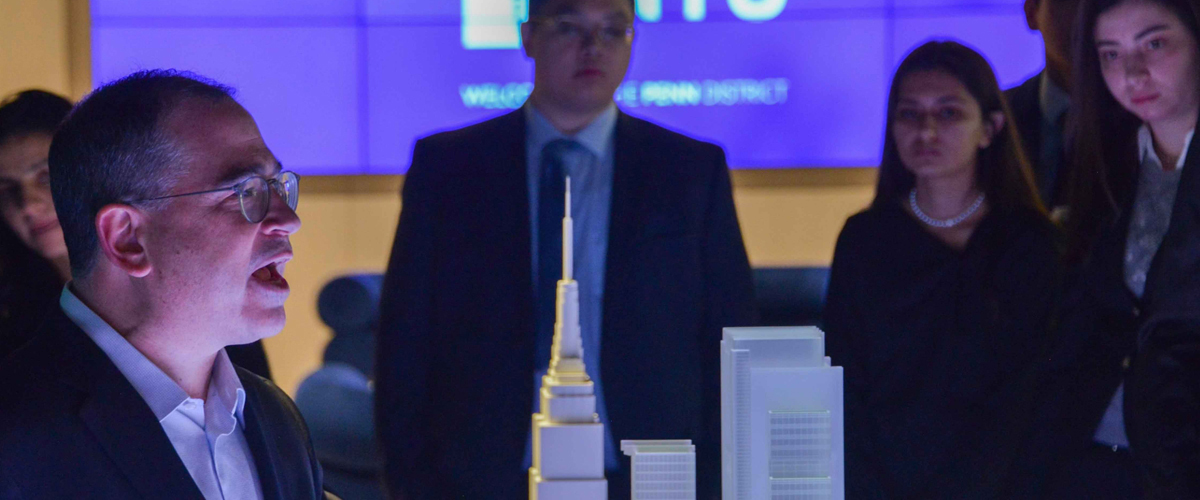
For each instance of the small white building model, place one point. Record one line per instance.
(781, 416)
(568, 438)
(661, 470)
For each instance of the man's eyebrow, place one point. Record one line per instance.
(266, 169)
(618, 16)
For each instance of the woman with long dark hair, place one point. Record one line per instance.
(942, 291)
(1135, 234)
(33, 256)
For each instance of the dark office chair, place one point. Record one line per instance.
(337, 400)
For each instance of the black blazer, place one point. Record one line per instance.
(1102, 322)
(1025, 102)
(71, 426)
(455, 371)
(1162, 395)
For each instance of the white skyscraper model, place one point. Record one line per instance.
(568, 438)
(661, 470)
(781, 416)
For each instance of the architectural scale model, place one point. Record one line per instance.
(568, 438)
(661, 470)
(781, 416)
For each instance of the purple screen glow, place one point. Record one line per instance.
(346, 87)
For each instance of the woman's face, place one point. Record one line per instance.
(1149, 61)
(938, 126)
(25, 194)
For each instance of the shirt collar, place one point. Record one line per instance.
(161, 393)
(595, 136)
(1053, 100)
(226, 396)
(1146, 147)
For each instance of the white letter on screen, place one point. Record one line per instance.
(757, 10)
(650, 11)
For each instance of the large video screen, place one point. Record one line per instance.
(347, 86)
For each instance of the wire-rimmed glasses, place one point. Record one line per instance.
(254, 194)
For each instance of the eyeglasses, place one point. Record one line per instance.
(567, 29)
(254, 195)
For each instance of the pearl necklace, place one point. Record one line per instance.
(943, 223)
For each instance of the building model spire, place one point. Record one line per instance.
(568, 438)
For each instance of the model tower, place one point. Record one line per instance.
(568, 438)
(781, 416)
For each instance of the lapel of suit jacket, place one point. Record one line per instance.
(119, 418)
(259, 440)
(625, 217)
(507, 185)
(1030, 114)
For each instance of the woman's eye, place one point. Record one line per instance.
(1155, 44)
(1108, 55)
(43, 178)
(949, 113)
(908, 115)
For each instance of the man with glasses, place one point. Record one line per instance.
(177, 220)
(468, 302)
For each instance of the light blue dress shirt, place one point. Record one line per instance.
(206, 433)
(591, 198)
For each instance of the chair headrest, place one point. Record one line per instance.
(350, 304)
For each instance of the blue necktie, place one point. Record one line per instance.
(551, 206)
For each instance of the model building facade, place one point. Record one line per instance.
(781, 416)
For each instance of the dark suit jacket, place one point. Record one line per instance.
(1025, 102)
(456, 363)
(1102, 321)
(1162, 393)
(71, 426)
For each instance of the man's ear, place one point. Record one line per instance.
(1031, 8)
(526, 32)
(993, 123)
(120, 228)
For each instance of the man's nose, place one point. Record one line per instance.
(280, 219)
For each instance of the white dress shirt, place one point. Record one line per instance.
(206, 433)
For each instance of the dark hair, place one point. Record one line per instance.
(29, 287)
(535, 6)
(1101, 134)
(1002, 172)
(29, 283)
(31, 111)
(112, 149)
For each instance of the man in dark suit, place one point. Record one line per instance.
(1040, 105)
(468, 299)
(177, 221)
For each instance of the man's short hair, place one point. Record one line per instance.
(535, 6)
(31, 112)
(112, 149)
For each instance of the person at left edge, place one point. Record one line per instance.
(659, 260)
(177, 220)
